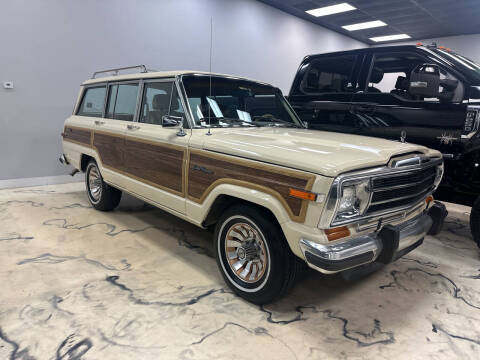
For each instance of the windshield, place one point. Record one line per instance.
(469, 67)
(233, 103)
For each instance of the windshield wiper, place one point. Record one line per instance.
(230, 120)
(274, 120)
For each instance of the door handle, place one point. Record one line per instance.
(133, 127)
(98, 122)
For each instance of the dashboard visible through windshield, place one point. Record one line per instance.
(217, 101)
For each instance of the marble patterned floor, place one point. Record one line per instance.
(138, 283)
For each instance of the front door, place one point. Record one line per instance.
(390, 110)
(323, 90)
(155, 155)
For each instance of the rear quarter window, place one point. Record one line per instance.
(92, 102)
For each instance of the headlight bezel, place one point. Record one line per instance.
(329, 215)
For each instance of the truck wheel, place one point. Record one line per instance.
(102, 196)
(253, 255)
(475, 221)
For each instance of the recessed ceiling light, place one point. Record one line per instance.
(333, 9)
(364, 25)
(390, 37)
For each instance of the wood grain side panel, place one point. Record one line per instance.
(206, 171)
(159, 164)
(77, 135)
(110, 149)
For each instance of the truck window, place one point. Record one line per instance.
(122, 101)
(390, 73)
(92, 102)
(326, 75)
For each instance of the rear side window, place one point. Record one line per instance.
(92, 102)
(122, 101)
(327, 75)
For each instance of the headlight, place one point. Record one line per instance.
(354, 198)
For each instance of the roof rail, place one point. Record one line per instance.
(116, 70)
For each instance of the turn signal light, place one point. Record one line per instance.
(337, 233)
(304, 195)
(429, 199)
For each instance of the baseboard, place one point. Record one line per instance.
(38, 181)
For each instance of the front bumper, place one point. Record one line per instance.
(384, 246)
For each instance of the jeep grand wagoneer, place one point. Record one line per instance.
(231, 153)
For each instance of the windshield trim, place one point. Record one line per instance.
(192, 121)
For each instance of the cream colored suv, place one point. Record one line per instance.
(231, 153)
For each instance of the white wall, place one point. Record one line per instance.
(49, 47)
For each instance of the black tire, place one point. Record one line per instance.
(102, 196)
(282, 265)
(475, 221)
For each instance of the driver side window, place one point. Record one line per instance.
(392, 74)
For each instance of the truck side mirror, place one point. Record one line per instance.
(425, 81)
(171, 121)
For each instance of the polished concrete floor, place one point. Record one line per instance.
(138, 283)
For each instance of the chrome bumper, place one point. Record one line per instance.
(385, 246)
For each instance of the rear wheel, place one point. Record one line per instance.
(102, 196)
(253, 255)
(475, 221)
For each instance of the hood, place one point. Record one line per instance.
(320, 152)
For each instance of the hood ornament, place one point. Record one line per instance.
(403, 136)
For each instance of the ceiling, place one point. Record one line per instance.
(421, 19)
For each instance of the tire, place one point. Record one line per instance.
(260, 237)
(475, 221)
(102, 196)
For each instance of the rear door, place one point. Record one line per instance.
(109, 137)
(155, 155)
(387, 109)
(323, 89)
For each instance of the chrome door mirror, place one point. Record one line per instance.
(171, 121)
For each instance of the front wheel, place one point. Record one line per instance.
(253, 255)
(475, 221)
(102, 196)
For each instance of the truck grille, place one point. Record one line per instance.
(392, 191)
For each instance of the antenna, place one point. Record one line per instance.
(210, 76)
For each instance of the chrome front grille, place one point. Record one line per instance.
(396, 190)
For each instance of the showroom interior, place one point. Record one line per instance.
(215, 179)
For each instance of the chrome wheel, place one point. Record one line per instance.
(246, 252)
(94, 181)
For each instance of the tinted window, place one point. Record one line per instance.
(92, 102)
(324, 75)
(122, 102)
(391, 73)
(156, 102)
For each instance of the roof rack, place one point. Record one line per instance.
(116, 70)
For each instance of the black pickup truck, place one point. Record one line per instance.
(427, 95)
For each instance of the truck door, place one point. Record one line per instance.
(390, 107)
(322, 92)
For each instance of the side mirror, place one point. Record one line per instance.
(171, 121)
(425, 81)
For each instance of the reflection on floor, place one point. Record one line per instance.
(138, 283)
